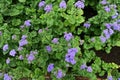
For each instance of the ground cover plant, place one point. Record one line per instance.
(58, 38)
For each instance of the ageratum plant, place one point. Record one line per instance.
(53, 38)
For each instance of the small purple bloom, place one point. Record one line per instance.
(23, 42)
(27, 23)
(110, 78)
(72, 51)
(107, 9)
(106, 32)
(103, 2)
(7, 60)
(20, 48)
(30, 58)
(21, 57)
(48, 48)
(14, 37)
(103, 39)
(116, 26)
(70, 58)
(41, 4)
(59, 74)
(68, 36)
(48, 8)
(50, 67)
(79, 4)
(83, 66)
(24, 36)
(62, 4)
(40, 31)
(55, 40)
(89, 69)
(108, 25)
(111, 31)
(118, 78)
(7, 77)
(5, 47)
(12, 52)
(87, 25)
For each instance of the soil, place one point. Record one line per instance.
(113, 56)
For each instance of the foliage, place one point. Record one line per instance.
(53, 37)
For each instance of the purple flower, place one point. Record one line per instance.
(7, 77)
(62, 4)
(48, 8)
(30, 58)
(50, 67)
(72, 50)
(83, 66)
(106, 32)
(21, 57)
(110, 78)
(40, 31)
(103, 39)
(23, 42)
(79, 4)
(107, 9)
(103, 2)
(116, 26)
(7, 60)
(34, 52)
(118, 78)
(55, 40)
(5, 47)
(89, 69)
(87, 25)
(59, 74)
(20, 48)
(24, 36)
(48, 48)
(68, 36)
(108, 25)
(12, 52)
(41, 4)
(14, 37)
(70, 58)
(27, 23)
(111, 31)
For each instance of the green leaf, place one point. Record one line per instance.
(117, 43)
(16, 22)
(22, 0)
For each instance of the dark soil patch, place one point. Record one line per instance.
(114, 56)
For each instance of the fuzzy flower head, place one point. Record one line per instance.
(79, 4)
(41, 4)
(40, 31)
(12, 52)
(107, 9)
(48, 8)
(23, 42)
(68, 36)
(5, 47)
(59, 74)
(83, 66)
(103, 2)
(7, 77)
(89, 69)
(55, 40)
(62, 4)
(24, 36)
(48, 48)
(7, 60)
(21, 57)
(87, 25)
(50, 67)
(109, 78)
(103, 39)
(30, 58)
(27, 23)
(14, 37)
(108, 25)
